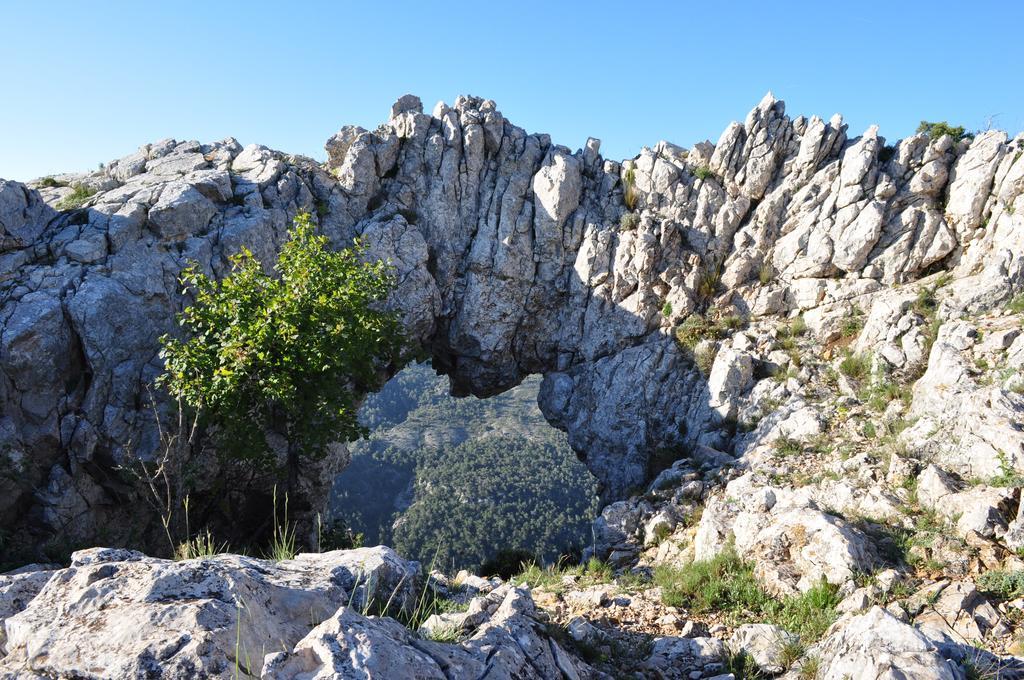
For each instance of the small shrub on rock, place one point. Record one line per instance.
(76, 199)
(703, 172)
(941, 128)
(856, 366)
(629, 221)
(292, 349)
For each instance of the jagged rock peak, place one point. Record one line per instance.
(514, 256)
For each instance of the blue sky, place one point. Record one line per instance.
(89, 82)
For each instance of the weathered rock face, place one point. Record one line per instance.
(877, 645)
(117, 614)
(120, 614)
(514, 256)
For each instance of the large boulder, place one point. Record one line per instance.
(877, 645)
(119, 614)
(23, 215)
(509, 644)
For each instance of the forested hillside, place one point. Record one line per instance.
(458, 480)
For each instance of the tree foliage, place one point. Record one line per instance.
(288, 352)
(499, 493)
(941, 128)
(461, 481)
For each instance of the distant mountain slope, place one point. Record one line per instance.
(457, 480)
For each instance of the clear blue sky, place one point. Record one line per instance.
(85, 82)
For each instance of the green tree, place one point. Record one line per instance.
(288, 352)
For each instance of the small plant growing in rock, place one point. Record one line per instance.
(629, 187)
(766, 273)
(853, 323)
(786, 446)
(790, 652)
(666, 309)
(741, 665)
(202, 544)
(703, 172)
(708, 283)
(880, 393)
(1005, 585)
(1008, 476)
(50, 183)
(856, 366)
(941, 128)
(704, 357)
(629, 221)
(552, 577)
(692, 330)
(76, 199)
(449, 634)
(809, 668)
(926, 302)
(731, 322)
(798, 326)
(290, 351)
(726, 585)
(283, 541)
(1016, 305)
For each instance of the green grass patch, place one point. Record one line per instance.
(726, 584)
(856, 366)
(76, 199)
(697, 327)
(853, 323)
(1002, 584)
(785, 446)
(552, 577)
(879, 394)
(703, 172)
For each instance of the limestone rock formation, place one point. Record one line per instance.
(118, 614)
(514, 255)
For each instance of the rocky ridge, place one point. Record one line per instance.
(514, 256)
(790, 349)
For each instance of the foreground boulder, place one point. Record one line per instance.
(117, 614)
(120, 614)
(876, 645)
(509, 645)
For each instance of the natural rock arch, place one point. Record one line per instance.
(512, 256)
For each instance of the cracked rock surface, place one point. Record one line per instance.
(514, 256)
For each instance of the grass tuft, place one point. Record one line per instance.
(202, 544)
(629, 187)
(76, 199)
(856, 366)
(703, 172)
(726, 584)
(282, 543)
